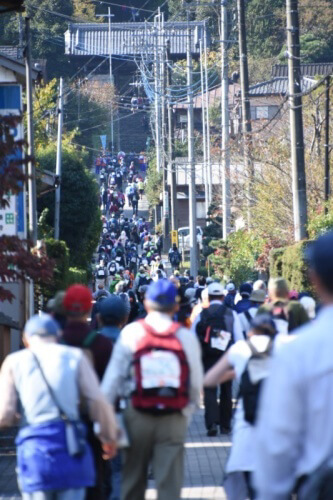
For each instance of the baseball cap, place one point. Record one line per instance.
(43, 325)
(77, 300)
(245, 289)
(215, 289)
(258, 296)
(162, 292)
(230, 287)
(113, 307)
(209, 280)
(56, 305)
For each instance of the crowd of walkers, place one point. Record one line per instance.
(108, 380)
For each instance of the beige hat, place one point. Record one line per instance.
(258, 296)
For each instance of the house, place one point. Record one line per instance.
(132, 46)
(214, 101)
(182, 169)
(310, 70)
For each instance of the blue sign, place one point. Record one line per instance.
(103, 141)
(11, 104)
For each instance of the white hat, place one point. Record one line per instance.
(215, 289)
(230, 287)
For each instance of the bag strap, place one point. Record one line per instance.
(90, 338)
(150, 330)
(49, 388)
(248, 316)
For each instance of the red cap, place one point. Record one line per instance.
(78, 300)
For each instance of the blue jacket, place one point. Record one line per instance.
(243, 305)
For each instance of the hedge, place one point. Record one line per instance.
(77, 275)
(58, 251)
(289, 263)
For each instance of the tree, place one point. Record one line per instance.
(79, 211)
(17, 261)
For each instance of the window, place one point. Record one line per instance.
(263, 112)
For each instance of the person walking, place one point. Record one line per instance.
(156, 366)
(77, 332)
(288, 314)
(175, 257)
(294, 438)
(50, 380)
(135, 202)
(217, 328)
(243, 360)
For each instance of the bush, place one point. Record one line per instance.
(289, 263)
(275, 262)
(77, 275)
(235, 259)
(80, 224)
(59, 253)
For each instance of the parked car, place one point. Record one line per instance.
(184, 237)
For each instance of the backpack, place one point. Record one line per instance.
(174, 258)
(212, 330)
(143, 280)
(255, 372)
(283, 319)
(100, 273)
(161, 372)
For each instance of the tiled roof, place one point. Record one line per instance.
(127, 38)
(311, 69)
(10, 51)
(277, 86)
(214, 97)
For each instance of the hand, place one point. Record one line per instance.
(109, 450)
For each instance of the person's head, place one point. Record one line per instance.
(201, 280)
(161, 296)
(131, 297)
(78, 303)
(174, 246)
(215, 292)
(231, 289)
(209, 280)
(142, 270)
(258, 297)
(278, 289)
(262, 324)
(245, 290)
(319, 256)
(260, 285)
(41, 327)
(309, 305)
(113, 312)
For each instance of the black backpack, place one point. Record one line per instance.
(211, 324)
(143, 280)
(174, 258)
(250, 385)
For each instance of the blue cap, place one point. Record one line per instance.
(162, 292)
(43, 325)
(113, 307)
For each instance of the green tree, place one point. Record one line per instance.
(79, 213)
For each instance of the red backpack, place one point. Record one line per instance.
(161, 371)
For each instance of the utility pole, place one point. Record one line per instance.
(327, 141)
(246, 110)
(209, 164)
(157, 93)
(296, 122)
(225, 121)
(58, 163)
(109, 16)
(166, 208)
(191, 160)
(30, 133)
(171, 163)
(204, 128)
